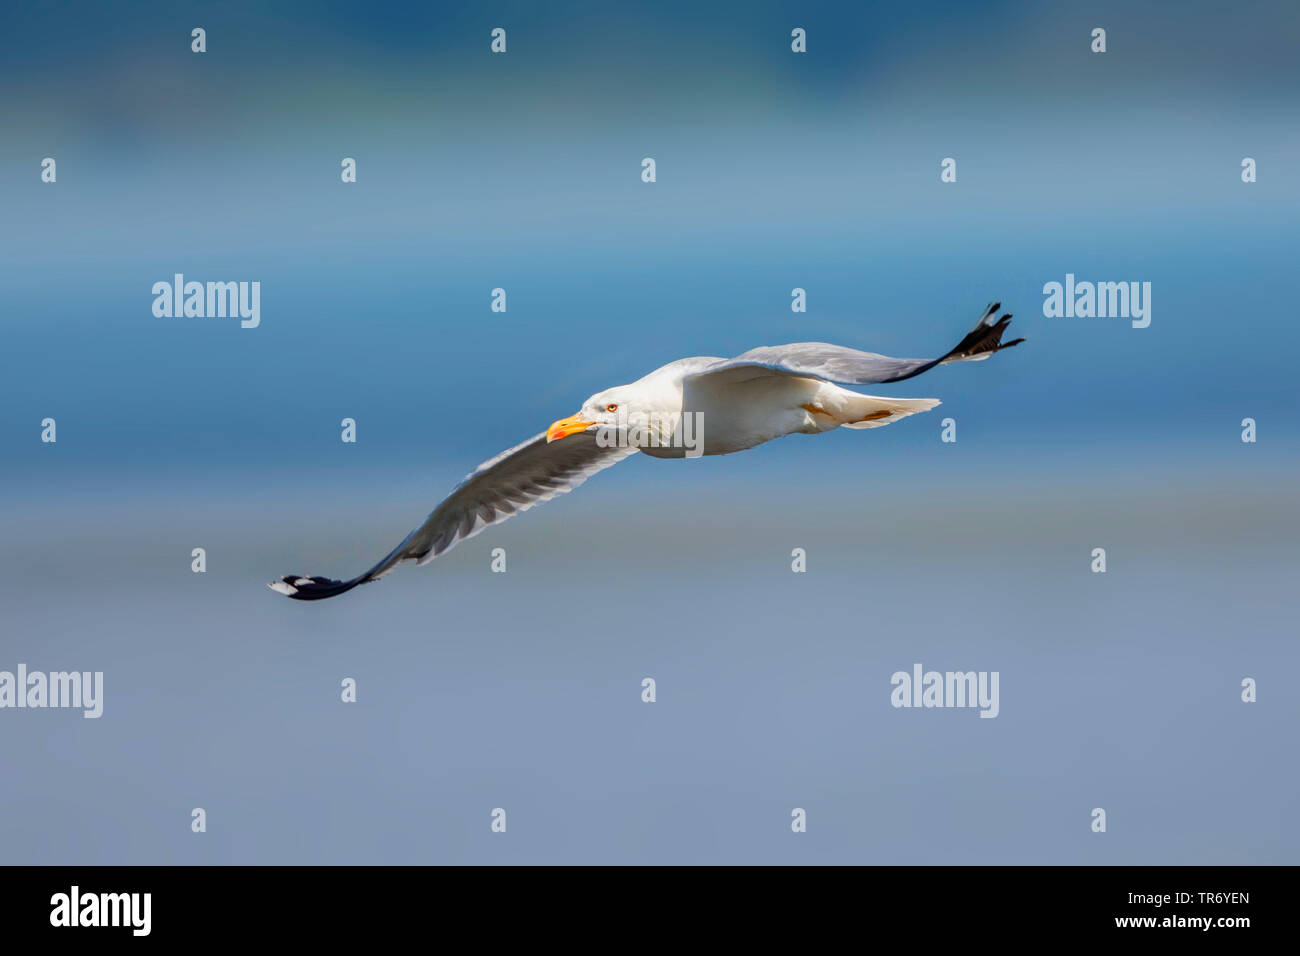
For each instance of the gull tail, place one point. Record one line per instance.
(983, 340)
(873, 411)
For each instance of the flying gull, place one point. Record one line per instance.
(701, 405)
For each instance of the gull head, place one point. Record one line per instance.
(614, 410)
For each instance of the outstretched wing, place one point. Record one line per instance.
(846, 366)
(513, 481)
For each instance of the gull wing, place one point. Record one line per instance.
(845, 366)
(513, 481)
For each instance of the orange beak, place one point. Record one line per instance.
(566, 427)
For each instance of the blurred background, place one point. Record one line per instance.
(522, 690)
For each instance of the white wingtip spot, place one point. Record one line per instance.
(283, 587)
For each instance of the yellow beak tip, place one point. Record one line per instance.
(566, 427)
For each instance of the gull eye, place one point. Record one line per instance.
(611, 407)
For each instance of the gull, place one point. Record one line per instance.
(693, 406)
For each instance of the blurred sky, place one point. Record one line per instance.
(522, 171)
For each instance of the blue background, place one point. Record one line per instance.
(522, 690)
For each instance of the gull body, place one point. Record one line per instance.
(734, 411)
(694, 406)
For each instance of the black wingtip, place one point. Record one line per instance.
(985, 338)
(306, 588)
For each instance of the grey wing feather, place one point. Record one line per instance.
(514, 481)
(846, 366)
